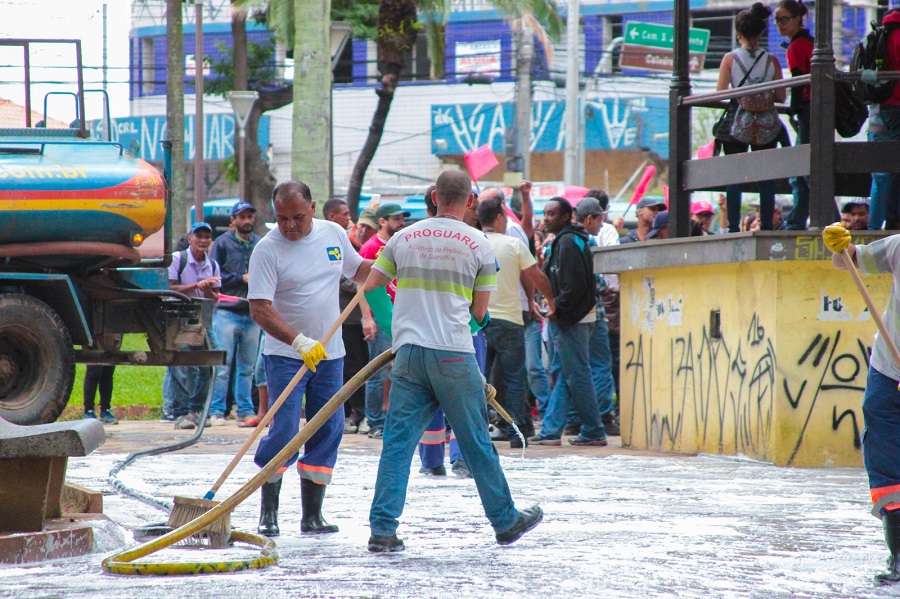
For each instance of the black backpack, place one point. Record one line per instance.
(870, 55)
(850, 113)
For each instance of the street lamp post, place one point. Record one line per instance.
(242, 103)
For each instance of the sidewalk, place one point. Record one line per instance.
(617, 524)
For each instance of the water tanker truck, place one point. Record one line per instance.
(73, 213)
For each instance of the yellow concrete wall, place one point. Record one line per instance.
(783, 384)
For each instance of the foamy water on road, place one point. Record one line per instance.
(614, 526)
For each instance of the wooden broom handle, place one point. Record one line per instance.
(848, 262)
(284, 394)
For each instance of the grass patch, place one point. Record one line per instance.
(132, 385)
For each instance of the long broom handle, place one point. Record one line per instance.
(282, 398)
(848, 262)
(227, 505)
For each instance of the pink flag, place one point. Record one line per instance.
(480, 161)
(573, 193)
(511, 214)
(707, 150)
(641, 189)
(666, 195)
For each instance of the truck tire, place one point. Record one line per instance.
(37, 361)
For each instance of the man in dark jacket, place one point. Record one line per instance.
(570, 268)
(234, 331)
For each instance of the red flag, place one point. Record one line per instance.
(707, 150)
(511, 214)
(480, 161)
(642, 186)
(573, 193)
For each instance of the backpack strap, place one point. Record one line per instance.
(182, 263)
(745, 69)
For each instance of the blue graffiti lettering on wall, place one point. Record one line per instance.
(609, 124)
(142, 134)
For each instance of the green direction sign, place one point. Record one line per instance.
(653, 35)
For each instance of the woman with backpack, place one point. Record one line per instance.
(755, 125)
(789, 16)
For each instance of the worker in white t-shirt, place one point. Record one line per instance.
(445, 271)
(294, 279)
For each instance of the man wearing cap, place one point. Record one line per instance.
(856, 214)
(233, 329)
(660, 228)
(366, 226)
(703, 213)
(295, 274)
(647, 209)
(391, 218)
(506, 335)
(194, 274)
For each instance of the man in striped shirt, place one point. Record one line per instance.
(445, 271)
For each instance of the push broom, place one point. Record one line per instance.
(187, 509)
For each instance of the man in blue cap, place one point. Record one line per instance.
(647, 209)
(233, 329)
(194, 274)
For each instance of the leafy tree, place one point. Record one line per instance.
(397, 29)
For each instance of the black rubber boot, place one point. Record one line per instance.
(311, 497)
(891, 522)
(268, 511)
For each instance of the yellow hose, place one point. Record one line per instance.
(120, 563)
(268, 557)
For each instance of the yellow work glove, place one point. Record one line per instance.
(836, 237)
(310, 350)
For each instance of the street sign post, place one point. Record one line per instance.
(649, 47)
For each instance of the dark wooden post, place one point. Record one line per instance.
(822, 209)
(680, 125)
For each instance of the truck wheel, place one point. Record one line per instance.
(37, 361)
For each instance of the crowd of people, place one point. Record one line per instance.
(751, 123)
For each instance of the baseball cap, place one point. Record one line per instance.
(588, 207)
(240, 207)
(660, 221)
(650, 202)
(845, 207)
(702, 207)
(201, 225)
(388, 210)
(367, 217)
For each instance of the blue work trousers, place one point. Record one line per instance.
(320, 451)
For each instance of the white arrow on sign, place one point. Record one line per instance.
(634, 33)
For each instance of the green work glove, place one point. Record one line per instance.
(475, 326)
(382, 308)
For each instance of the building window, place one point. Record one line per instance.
(148, 73)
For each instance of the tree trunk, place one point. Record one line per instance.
(175, 115)
(376, 130)
(396, 35)
(259, 177)
(239, 48)
(311, 126)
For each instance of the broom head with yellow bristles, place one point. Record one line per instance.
(187, 509)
